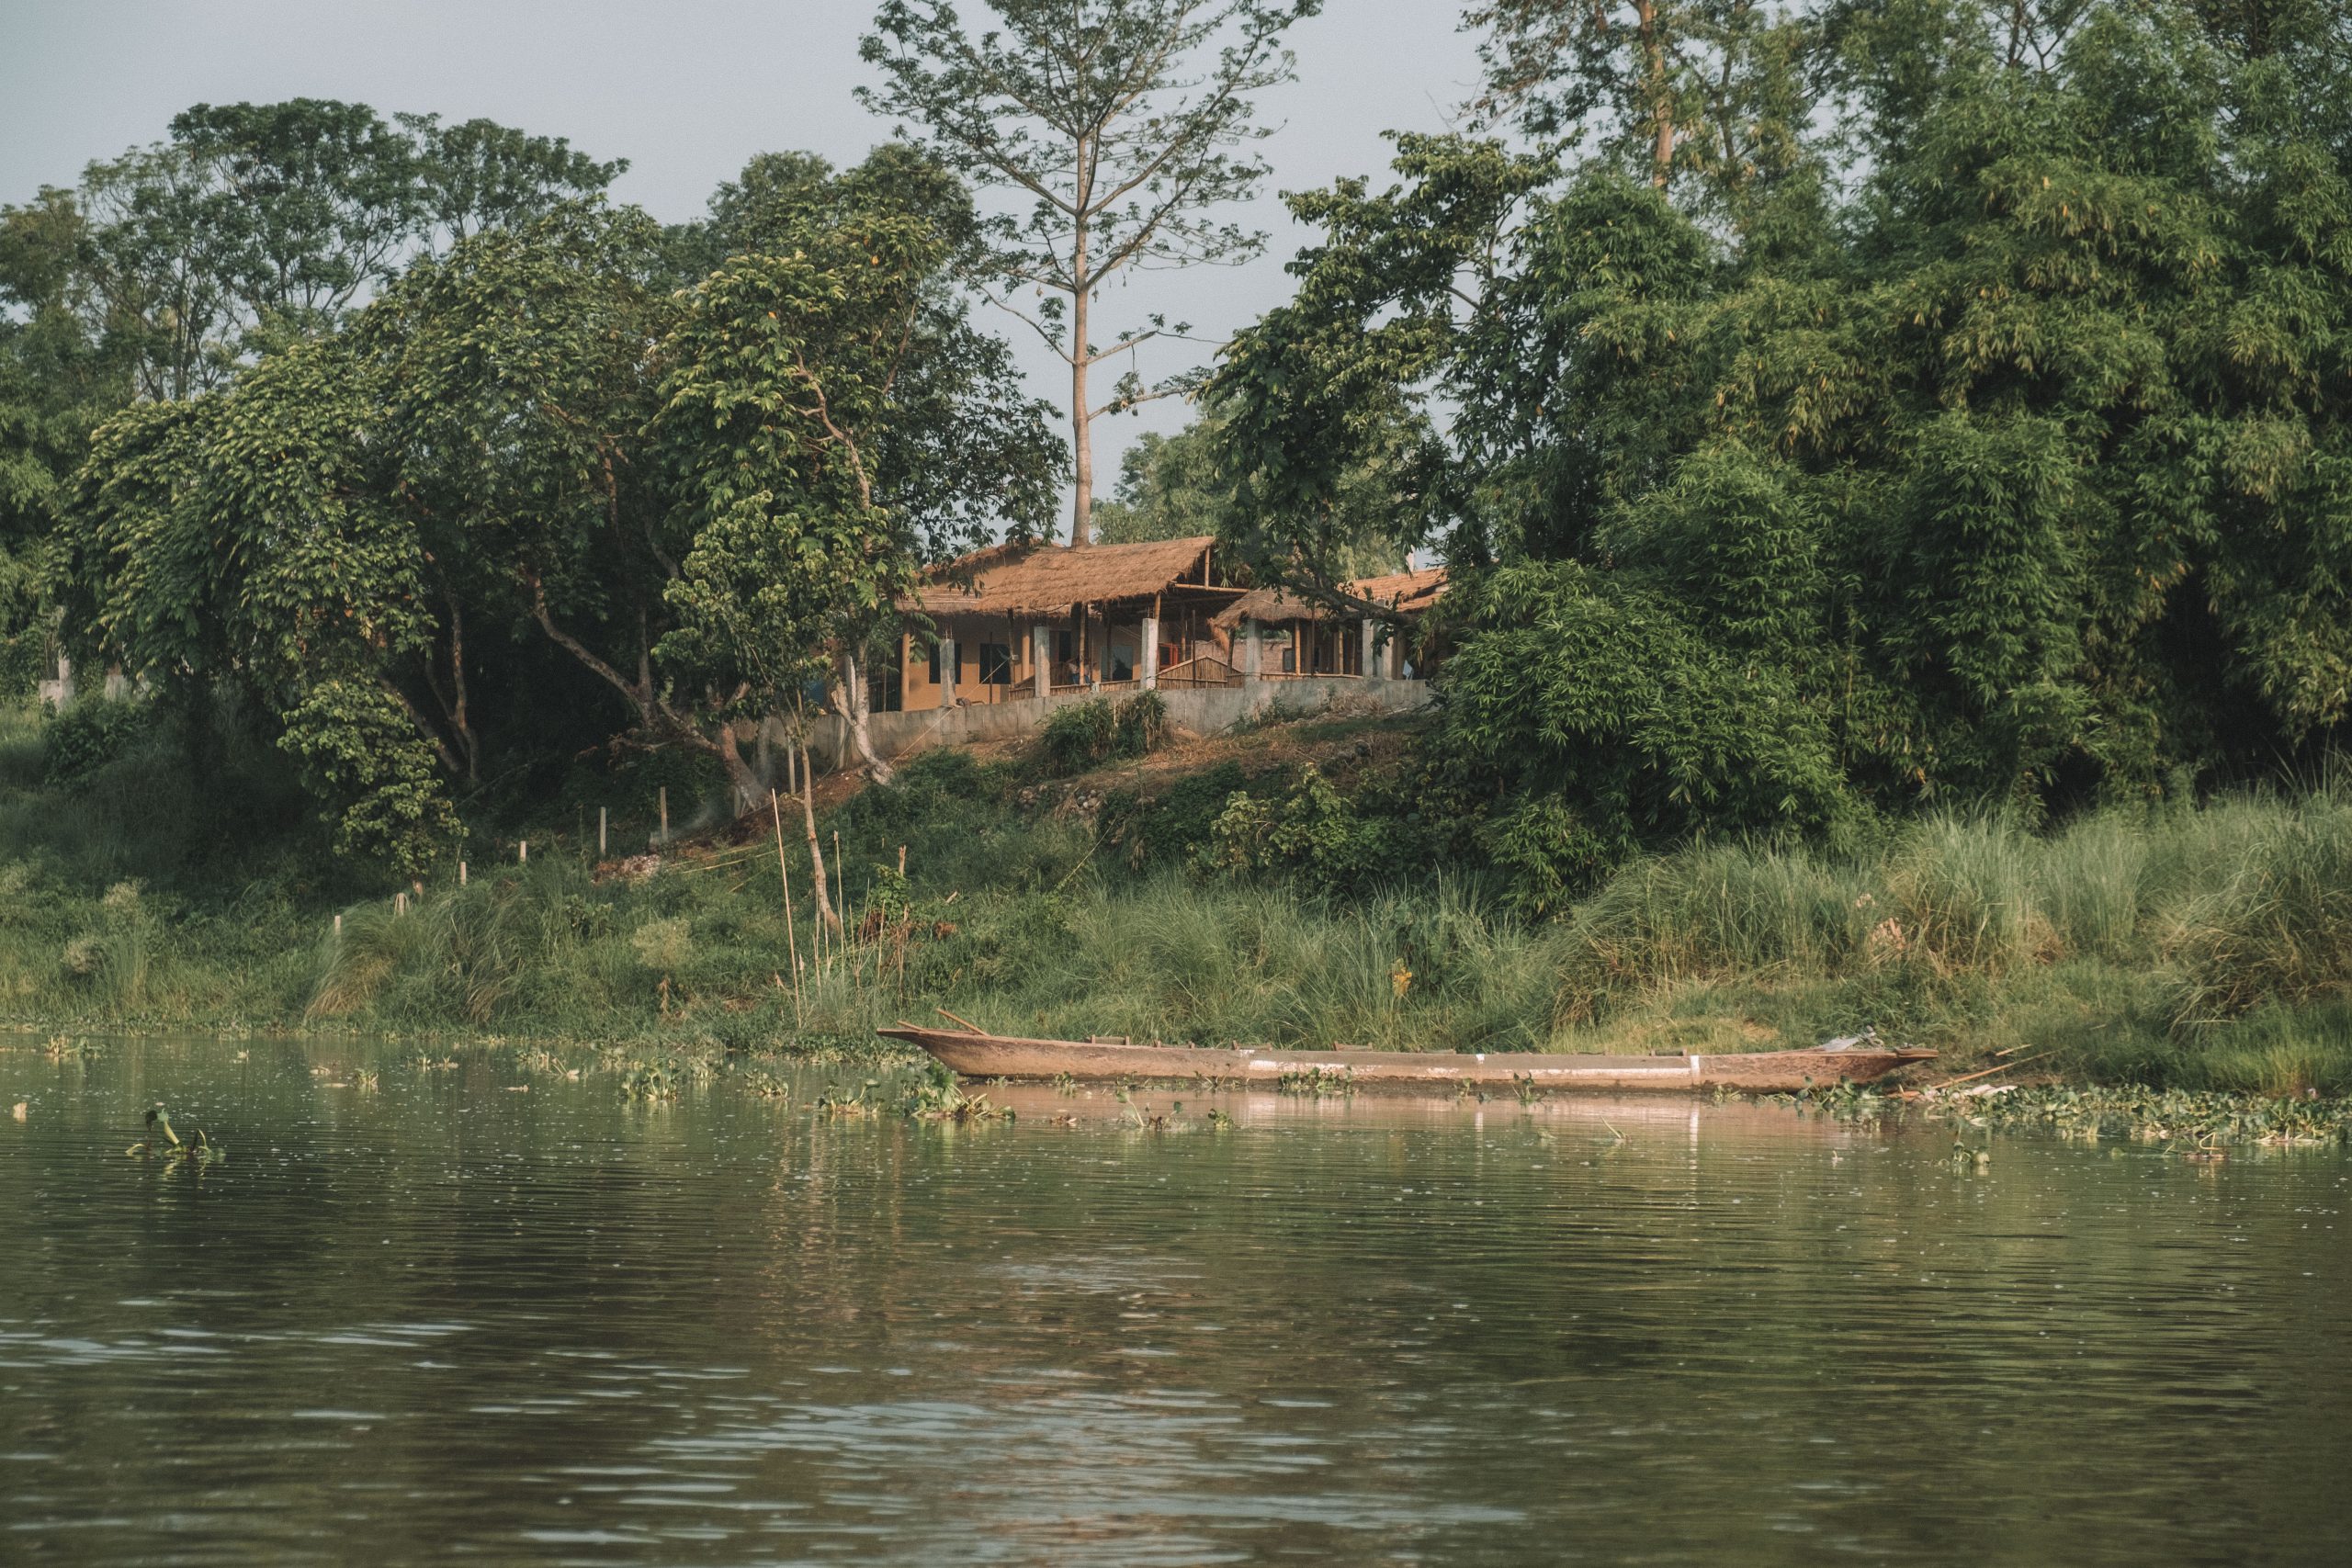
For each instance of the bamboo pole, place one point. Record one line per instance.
(784, 875)
(2003, 1067)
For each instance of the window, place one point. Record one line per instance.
(1064, 648)
(934, 663)
(996, 664)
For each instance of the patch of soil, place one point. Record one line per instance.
(1343, 748)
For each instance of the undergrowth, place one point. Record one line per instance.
(2194, 948)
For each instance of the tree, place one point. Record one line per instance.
(56, 384)
(1173, 487)
(308, 203)
(2015, 472)
(1712, 98)
(481, 175)
(259, 223)
(695, 498)
(930, 420)
(1116, 121)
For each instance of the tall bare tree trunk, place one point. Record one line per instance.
(1082, 507)
(851, 697)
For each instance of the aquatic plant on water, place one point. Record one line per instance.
(1316, 1081)
(935, 1095)
(195, 1153)
(836, 1102)
(649, 1082)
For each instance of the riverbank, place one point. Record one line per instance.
(2195, 948)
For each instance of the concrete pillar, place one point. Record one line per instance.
(1374, 656)
(1041, 657)
(1250, 652)
(948, 654)
(1151, 672)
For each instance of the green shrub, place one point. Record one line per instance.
(1172, 829)
(88, 734)
(1314, 832)
(1142, 726)
(1079, 735)
(1086, 734)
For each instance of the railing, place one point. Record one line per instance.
(1203, 670)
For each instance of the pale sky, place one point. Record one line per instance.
(686, 90)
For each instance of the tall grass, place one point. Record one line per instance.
(2207, 947)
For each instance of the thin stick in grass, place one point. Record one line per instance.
(841, 885)
(784, 871)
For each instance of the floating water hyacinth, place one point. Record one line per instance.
(194, 1155)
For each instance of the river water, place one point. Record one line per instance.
(455, 1316)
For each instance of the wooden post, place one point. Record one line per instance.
(665, 814)
(902, 859)
(600, 832)
(461, 874)
(522, 853)
(338, 928)
(1373, 651)
(400, 903)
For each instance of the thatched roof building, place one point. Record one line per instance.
(1005, 622)
(1407, 592)
(1050, 580)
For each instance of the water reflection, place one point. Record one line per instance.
(446, 1318)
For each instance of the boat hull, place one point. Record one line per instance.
(975, 1055)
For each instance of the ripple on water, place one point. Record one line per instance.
(559, 1325)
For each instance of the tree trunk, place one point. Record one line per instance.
(1081, 506)
(1661, 100)
(459, 721)
(850, 696)
(825, 915)
(741, 783)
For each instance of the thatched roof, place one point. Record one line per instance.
(1409, 593)
(1048, 579)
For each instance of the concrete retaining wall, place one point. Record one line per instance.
(1199, 710)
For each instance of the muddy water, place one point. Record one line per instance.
(446, 1318)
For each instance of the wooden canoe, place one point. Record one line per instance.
(976, 1055)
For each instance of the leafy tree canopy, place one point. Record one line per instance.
(1974, 423)
(685, 497)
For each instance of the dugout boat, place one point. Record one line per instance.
(973, 1054)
